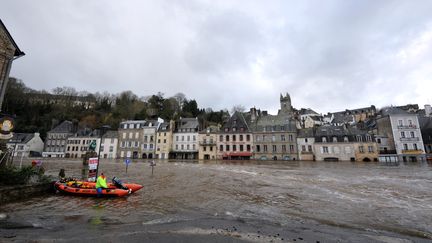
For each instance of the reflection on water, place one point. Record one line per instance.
(357, 195)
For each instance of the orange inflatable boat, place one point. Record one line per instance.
(82, 190)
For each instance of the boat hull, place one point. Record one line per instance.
(90, 191)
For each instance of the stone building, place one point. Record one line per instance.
(78, 145)
(275, 136)
(207, 139)
(56, 140)
(164, 141)
(235, 139)
(342, 143)
(185, 139)
(131, 136)
(305, 144)
(149, 138)
(9, 51)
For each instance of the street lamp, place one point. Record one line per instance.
(101, 131)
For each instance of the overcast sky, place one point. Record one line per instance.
(328, 55)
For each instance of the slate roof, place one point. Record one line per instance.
(64, 127)
(164, 126)
(341, 118)
(188, 123)
(21, 138)
(111, 134)
(307, 111)
(306, 133)
(393, 111)
(18, 52)
(237, 121)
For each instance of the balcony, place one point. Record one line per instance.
(306, 152)
(387, 152)
(406, 126)
(410, 139)
(412, 151)
(207, 143)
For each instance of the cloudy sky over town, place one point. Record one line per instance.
(329, 55)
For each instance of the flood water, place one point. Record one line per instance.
(351, 201)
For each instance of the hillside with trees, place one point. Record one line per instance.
(40, 110)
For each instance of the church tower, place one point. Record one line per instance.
(285, 102)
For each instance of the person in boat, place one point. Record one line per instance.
(101, 183)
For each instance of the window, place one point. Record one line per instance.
(177, 138)
(220, 138)
(176, 146)
(273, 138)
(400, 123)
(241, 147)
(368, 138)
(303, 148)
(291, 147)
(361, 149)
(274, 148)
(193, 138)
(188, 138)
(234, 129)
(282, 137)
(412, 134)
(234, 138)
(324, 139)
(370, 149)
(325, 150)
(334, 139)
(136, 144)
(248, 137)
(136, 135)
(410, 123)
(405, 146)
(211, 148)
(193, 146)
(164, 141)
(187, 147)
(402, 134)
(226, 147)
(248, 147)
(130, 135)
(310, 148)
(290, 137)
(379, 140)
(264, 137)
(336, 150)
(306, 140)
(234, 147)
(159, 140)
(111, 148)
(283, 148)
(221, 147)
(182, 147)
(265, 148)
(145, 146)
(415, 146)
(241, 137)
(151, 146)
(182, 138)
(227, 138)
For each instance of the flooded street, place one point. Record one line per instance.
(237, 201)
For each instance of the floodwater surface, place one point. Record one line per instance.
(237, 201)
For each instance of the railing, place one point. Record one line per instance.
(387, 152)
(412, 151)
(410, 139)
(204, 143)
(406, 126)
(306, 152)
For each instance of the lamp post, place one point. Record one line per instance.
(101, 131)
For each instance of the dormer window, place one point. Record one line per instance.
(324, 139)
(345, 139)
(234, 129)
(226, 129)
(334, 139)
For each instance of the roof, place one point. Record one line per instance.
(188, 123)
(342, 118)
(306, 133)
(21, 138)
(393, 111)
(307, 111)
(237, 120)
(18, 51)
(164, 126)
(110, 134)
(64, 127)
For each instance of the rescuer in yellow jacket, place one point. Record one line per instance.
(101, 183)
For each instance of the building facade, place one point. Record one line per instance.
(185, 139)
(275, 136)
(305, 144)
(403, 130)
(164, 141)
(131, 136)
(208, 143)
(235, 139)
(26, 144)
(149, 138)
(56, 140)
(109, 145)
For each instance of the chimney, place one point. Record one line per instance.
(428, 110)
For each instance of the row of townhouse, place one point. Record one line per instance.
(393, 134)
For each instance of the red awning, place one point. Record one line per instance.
(240, 154)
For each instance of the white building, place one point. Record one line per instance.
(78, 146)
(305, 144)
(403, 130)
(109, 145)
(185, 139)
(26, 144)
(149, 138)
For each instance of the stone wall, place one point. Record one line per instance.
(15, 193)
